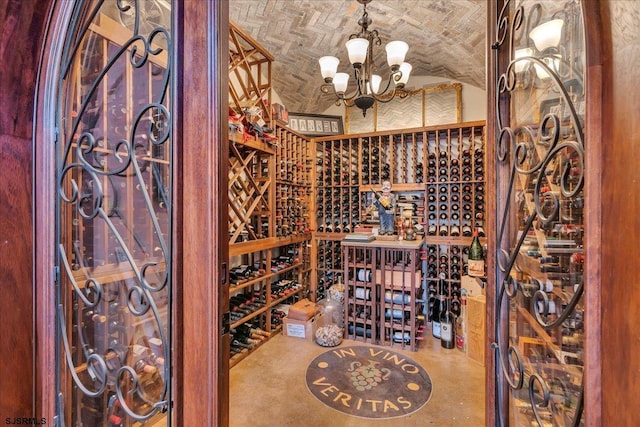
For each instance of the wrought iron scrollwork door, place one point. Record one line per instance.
(113, 215)
(540, 158)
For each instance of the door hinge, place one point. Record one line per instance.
(223, 273)
(226, 323)
(56, 274)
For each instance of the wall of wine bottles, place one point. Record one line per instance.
(269, 229)
(436, 172)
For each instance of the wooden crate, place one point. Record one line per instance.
(476, 328)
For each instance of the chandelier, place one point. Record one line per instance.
(367, 84)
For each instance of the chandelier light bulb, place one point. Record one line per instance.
(357, 49)
(405, 69)
(328, 67)
(340, 82)
(552, 63)
(522, 53)
(396, 51)
(547, 35)
(375, 83)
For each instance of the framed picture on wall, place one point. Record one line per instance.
(316, 124)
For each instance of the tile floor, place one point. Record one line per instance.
(268, 389)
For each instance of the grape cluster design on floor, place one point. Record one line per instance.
(365, 377)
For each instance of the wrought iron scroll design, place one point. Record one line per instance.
(530, 151)
(89, 168)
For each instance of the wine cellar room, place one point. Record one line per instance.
(351, 215)
(382, 212)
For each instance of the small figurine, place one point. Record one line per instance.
(386, 205)
(408, 229)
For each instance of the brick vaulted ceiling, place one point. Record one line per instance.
(446, 39)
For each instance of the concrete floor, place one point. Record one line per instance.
(268, 389)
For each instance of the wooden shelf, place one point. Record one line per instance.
(383, 274)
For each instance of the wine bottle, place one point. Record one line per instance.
(401, 337)
(395, 314)
(446, 328)
(397, 297)
(435, 317)
(359, 331)
(461, 326)
(364, 275)
(476, 257)
(384, 201)
(363, 293)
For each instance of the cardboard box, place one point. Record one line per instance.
(303, 310)
(473, 285)
(279, 112)
(305, 329)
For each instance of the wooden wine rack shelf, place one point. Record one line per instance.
(383, 292)
(437, 171)
(269, 226)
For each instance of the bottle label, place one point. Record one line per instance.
(435, 329)
(364, 275)
(362, 293)
(445, 332)
(476, 267)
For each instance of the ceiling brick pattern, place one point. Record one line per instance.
(446, 38)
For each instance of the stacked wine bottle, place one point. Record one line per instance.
(293, 189)
(455, 193)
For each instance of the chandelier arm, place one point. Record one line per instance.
(393, 78)
(385, 97)
(328, 88)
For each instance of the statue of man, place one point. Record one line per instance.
(386, 204)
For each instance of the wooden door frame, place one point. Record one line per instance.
(595, 74)
(200, 383)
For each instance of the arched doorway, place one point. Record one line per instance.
(17, 187)
(131, 336)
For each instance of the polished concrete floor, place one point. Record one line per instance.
(268, 389)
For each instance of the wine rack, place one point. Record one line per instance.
(383, 292)
(269, 230)
(251, 185)
(437, 172)
(249, 73)
(328, 266)
(446, 264)
(455, 183)
(260, 281)
(293, 186)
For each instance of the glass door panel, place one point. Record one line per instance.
(114, 198)
(540, 258)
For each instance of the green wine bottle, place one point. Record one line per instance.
(476, 257)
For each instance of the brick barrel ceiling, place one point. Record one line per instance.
(446, 39)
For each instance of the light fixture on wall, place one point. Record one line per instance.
(360, 49)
